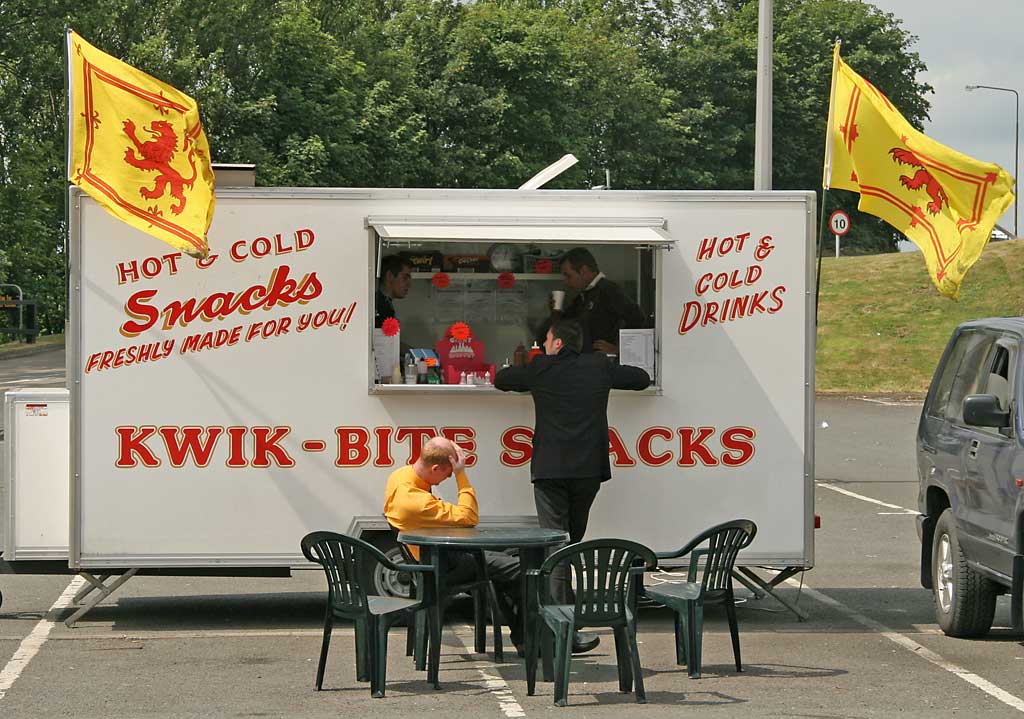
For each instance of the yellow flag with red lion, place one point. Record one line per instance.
(944, 201)
(138, 148)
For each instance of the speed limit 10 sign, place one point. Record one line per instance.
(839, 222)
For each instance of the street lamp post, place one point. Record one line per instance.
(1016, 141)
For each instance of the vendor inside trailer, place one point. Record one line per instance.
(481, 297)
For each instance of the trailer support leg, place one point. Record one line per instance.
(745, 574)
(103, 591)
(91, 583)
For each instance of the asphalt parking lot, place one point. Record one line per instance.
(186, 647)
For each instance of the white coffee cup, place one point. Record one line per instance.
(557, 298)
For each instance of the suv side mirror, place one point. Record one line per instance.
(982, 410)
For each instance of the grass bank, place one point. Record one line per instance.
(882, 325)
(14, 348)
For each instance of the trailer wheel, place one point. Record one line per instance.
(965, 601)
(382, 581)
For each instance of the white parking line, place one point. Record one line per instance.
(910, 645)
(861, 497)
(31, 644)
(497, 686)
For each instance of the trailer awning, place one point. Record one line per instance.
(636, 231)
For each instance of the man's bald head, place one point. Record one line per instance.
(436, 460)
(438, 450)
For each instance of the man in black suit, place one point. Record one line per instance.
(570, 439)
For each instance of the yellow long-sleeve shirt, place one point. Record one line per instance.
(409, 504)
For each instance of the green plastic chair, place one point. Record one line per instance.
(607, 572)
(343, 559)
(710, 584)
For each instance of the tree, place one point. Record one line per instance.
(446, 93)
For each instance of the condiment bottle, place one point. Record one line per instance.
(396, 374)
(534, 351)
(519, 356)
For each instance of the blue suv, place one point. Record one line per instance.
(970, 462)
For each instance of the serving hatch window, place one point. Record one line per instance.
(501, 281)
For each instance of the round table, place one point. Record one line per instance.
(532, 543)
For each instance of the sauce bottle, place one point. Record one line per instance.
(534, 351)
(519, 356)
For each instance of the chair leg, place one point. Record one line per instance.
(679, 622)
(328, 625)
(381, 656)
(634, 655)
(734, 630)
(372, 629)
(692, 634)
(623, 661)
(496, 622)
(422, 638)
(363, 639)
(410, 635)
(563, 662)
(533, 640)
(479, 620)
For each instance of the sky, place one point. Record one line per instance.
(969, 43)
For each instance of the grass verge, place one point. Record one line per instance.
(882, 325)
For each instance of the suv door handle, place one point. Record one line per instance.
(973, 451)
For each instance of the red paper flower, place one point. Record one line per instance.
(459, 331)
(390, 327)
(506, 280)
(441, 280)
(543, 267)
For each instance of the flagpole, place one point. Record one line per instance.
(826, 179)
(67, 195)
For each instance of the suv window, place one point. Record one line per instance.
(973, 343)
(998, 376)
(970, 374)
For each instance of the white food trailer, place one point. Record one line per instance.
(222, 409)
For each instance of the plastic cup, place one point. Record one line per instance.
(557, 298)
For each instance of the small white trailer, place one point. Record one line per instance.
(221, 409)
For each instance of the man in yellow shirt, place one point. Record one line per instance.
(409, 503)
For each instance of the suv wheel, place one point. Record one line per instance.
(965, 601)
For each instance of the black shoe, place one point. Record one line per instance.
(584, 642)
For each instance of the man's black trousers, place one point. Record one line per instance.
(564, 504)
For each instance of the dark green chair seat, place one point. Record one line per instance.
(344, 560)
(709, 582)
(606, 573)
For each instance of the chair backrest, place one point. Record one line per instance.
(407, 555)
(343, 559)
(724, 541)
(605, 572)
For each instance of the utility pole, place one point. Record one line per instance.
(763, 118)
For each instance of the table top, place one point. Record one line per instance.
(484, 537)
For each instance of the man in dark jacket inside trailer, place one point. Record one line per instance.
(601, 307)
(570, 440)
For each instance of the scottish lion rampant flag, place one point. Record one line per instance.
(136, 145)
(941, 199)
